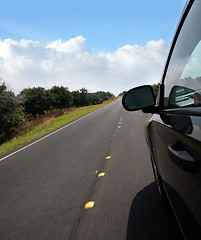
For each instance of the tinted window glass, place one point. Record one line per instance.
(183, 80)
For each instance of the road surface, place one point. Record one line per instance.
(45, 186)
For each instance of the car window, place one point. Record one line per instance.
(183, 79)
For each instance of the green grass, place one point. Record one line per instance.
(49, 126)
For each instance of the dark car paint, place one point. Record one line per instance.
(183, 189)
(179, 183)
(172, 136)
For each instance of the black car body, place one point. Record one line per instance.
(173, 133)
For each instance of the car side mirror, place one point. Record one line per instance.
(139, 98)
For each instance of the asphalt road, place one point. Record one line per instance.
(44, 187)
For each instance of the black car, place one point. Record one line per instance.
(173, 132)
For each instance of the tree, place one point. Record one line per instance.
(121, 94)
(84, 98)
(109, 94)
(76, 98)
(11, 113)
(63, 97)
(94, 99)
(155, 88)
(37, 100)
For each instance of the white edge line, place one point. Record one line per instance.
(48, 135)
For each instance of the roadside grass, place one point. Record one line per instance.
(48, 126)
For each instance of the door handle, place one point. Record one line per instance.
(182, 158)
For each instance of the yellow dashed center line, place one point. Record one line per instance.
(89, 205)
(101, 174)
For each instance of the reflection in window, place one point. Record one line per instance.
(183, 80)
(192, 70)
(191, 76)
(188, 90)
(181, 96)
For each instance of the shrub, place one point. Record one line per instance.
(11, 112)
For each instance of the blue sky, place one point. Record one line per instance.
(127, 32)
(106, 24)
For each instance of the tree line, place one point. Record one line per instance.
(15, 110)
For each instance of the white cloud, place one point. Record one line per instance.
(74, 45)
(72, 64)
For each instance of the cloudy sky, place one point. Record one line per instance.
(100, 45)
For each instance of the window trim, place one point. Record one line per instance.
(186, 111)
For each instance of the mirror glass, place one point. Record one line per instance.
(181, 96)
(138, 98)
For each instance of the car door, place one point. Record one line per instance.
(176, 130)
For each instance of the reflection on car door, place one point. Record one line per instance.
(176, 132)
(181, 181)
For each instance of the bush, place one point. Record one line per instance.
(11, 112)
(62, 97)
(37, 100)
